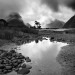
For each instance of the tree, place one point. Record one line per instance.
(37, 24)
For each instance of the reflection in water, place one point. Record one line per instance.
(66, 58)
(33, 49)
(43, 55)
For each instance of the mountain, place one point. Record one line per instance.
(70, 23)
(15, 22)
(56, 24)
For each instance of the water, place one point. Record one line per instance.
(43, 55)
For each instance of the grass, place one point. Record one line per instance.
(17, 35)
(61, 36)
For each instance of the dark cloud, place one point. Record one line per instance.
(8, 6)
(72, 4)
(54, 4)
(51, 3)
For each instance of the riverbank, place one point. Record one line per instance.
(27, 38)
(60, 35)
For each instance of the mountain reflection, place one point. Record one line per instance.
(37, 47)
(43, 55)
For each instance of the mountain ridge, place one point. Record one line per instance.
(56, 24)
(70, 23)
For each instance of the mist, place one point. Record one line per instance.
(54, 4)
(43, 11)
(9, 6)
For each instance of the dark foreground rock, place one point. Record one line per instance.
(23, 71)
(11, 60)
(27, 59)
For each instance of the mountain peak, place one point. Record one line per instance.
(70, 23)
(56, 24)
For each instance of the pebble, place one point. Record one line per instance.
(23, 71)
(8, 67)
(12, 61)
(24, 66)
(28, 66)
(28, 59)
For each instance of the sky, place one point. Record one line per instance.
(43, 11)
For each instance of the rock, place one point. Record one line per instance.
(28, 66)
(1, 61)
(39, 70)
(23, 66)
(12, 51)
(4, 61)
(16, 69)
(0, 70)
(8, 67)
(19, 61)
(22, 60)
(0, 52)
(23, 71)
(4, 54)
(12, 59)
(7, 61)
(9, 57)
(2, 66)
(14, 54)
(15, 61)
(21, 57)
(28, 59)
(15, 64)
(19, 66)
(8, 71)
(5, 71)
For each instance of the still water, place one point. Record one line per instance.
(43, 55)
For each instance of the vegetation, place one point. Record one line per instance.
(38, 25)
(14, 29)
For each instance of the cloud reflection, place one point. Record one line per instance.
(36, 50)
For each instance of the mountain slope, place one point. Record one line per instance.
(15, 22)
(70, 23)
(55, 24)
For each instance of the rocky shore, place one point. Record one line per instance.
(13, 61)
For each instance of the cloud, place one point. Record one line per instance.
(8, 6)
(40, 10)
(51, 3)
(54, 4)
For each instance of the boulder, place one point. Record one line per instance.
(8, 67)
(23, 71)
(28, 66)
(27, 59)
(2, 66)
(24, 66)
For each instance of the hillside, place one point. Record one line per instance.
(15, 22)
(15, 30)
(70, 23)
(55, 24)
